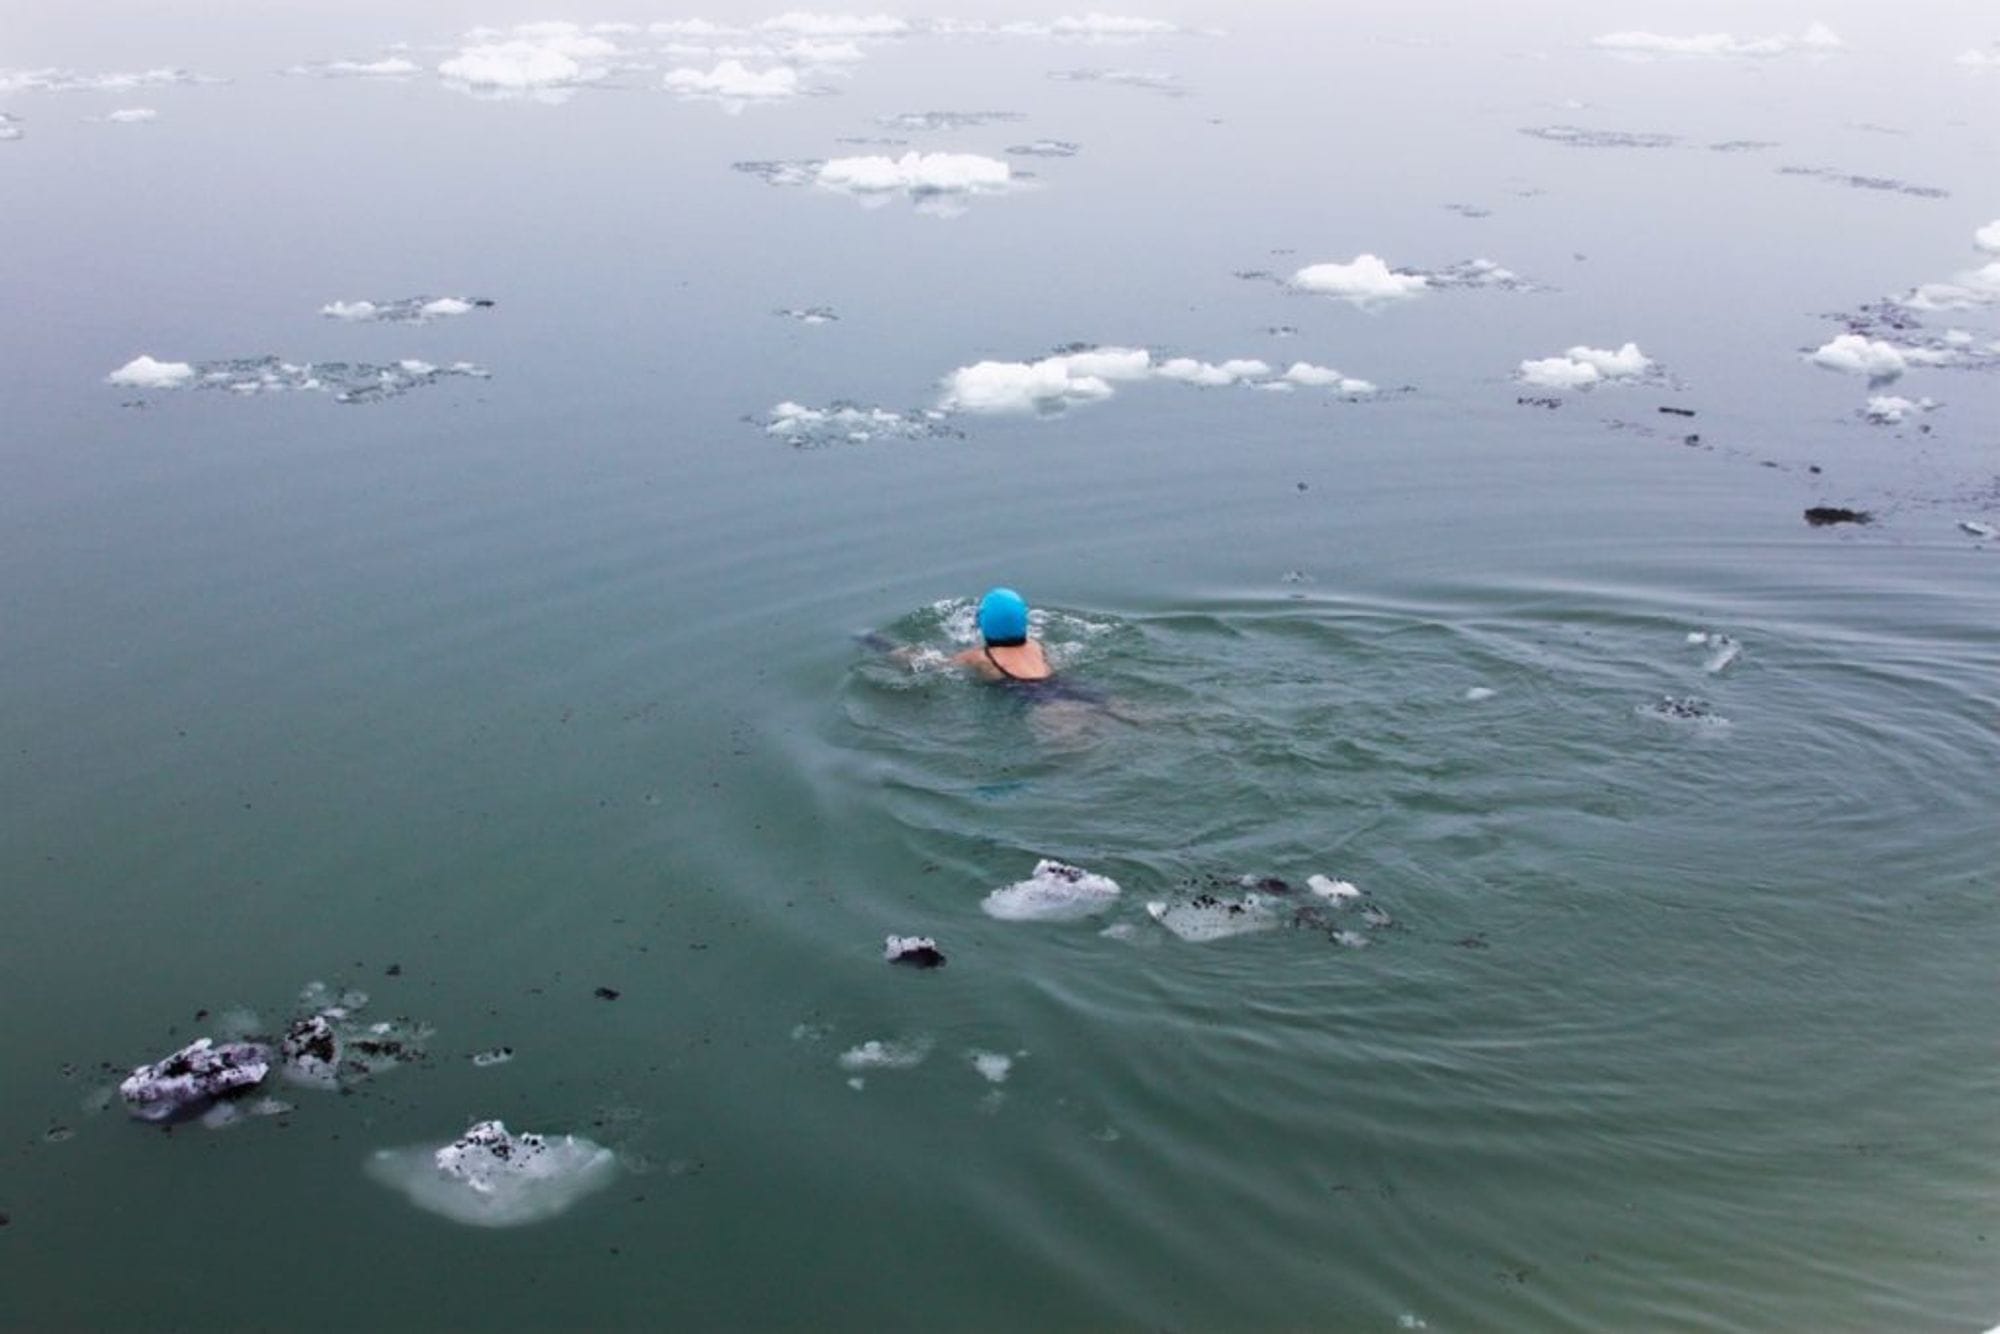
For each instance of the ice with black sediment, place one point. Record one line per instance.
(1854, 181)
(1578, 136)
(1690, 710)
(495, 1056)
(1213, 909)
(843, 422)
(404, 310)
(1055, 892)
(491, 1177)
(192, 1080)
(913, 951)
(330, 1046)
(347, 382)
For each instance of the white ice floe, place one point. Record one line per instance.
(1364, 281)
(1987, 238)
(1048, 385)
(992, 1066)
(389, 67)
(1974, 288)
(1056, 892)
(530, 58)
(1325, 377)
(1817, 39)
(142, 372)
(916, 174)
(1892, 409)
(1582, 367)
(1479, 694)
(130, 116)
(808, 24)
(1206, 917)
(1210, 375)
(1333, 891)
(69, 81)
(488, 1177)
(1857, 354)
(402, 310)
(733, 81)
(850, 423)
(893, 1054)
(188, 1083)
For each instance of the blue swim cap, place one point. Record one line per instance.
(1003, 617)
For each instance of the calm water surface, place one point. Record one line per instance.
(531, 685)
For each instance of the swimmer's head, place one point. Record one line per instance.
(1003, 618)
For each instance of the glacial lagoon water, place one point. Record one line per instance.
(504, 662)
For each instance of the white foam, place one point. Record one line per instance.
(1477, 694)
(490, 1178)
(894, 1054)
(992, 1065)
(1816, 39)
(142, 372)
(733, 81)
(1056, 892)
(1333, 891)
(1364, 281)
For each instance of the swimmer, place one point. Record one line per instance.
(1006, 652)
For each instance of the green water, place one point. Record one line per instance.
(550, 683)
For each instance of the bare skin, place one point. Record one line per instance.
(997, 662)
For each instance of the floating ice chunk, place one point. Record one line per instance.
(1056, 892)
(1325, 377)
(733, 81)
(1475, 694)
(389, 67)
(142, 372)
(130, 116)
(1046, 148)
(1816, 39)
(190, 1081)
(1209, 375)
(875, 1054)
(69, 81)
(310, 1051)
(916, 174)
(1891, 409)
(992, 1065)
(914, 951)
(1155, 81)
(444, 305)
(1722, 651)
(808, 24)
(404, 310)
(495, 1056)
(1581, 367)
(1205, 917)
(1048, 385)
(1987, 238)
(1364, 281)
(533, 57)
(1688, 709)
(1333, 891)
(1855, 354)
(848, 423)
(488, 1177)
(1978, 529)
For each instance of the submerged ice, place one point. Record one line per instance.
(491, 1177)
(348, 382)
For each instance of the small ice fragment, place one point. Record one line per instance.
(1722, 651)
(1056, 892)
(915, 951)
(1474, 694)
(876, 1054)
(1978, 529)
(185, 1084)
(142, 372)
(1697, 636)
(1205, 917)
(311, 1051)
(496, 1056)
(444, 305)
(1334, 891)
(992, 1065)
(488, 1177)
